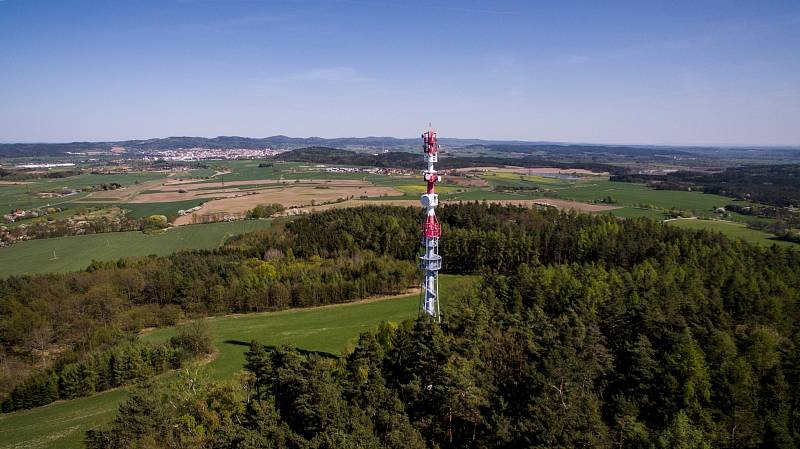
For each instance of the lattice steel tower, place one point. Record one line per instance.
(430, 261)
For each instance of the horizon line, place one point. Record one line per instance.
(502, 140)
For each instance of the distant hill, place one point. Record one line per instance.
(551, 150)
(566, 149)
(327, 155)
(174, 143)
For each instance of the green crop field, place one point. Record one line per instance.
(328, 329)
(627, 194)
(733, 230)
(634, 212)
(24, 197)
(140, 210)
(199, 173)
(123, 179)
(513, 179)
(169, 209)
(480, 195)
(637, 199)
(249, 170)
(77, 252)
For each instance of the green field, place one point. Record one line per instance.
(250, 171)
(635, 212)
(593, 189)
(504, 179)
(475, 194)
(77, 252)
(627, 194)
(326, 329)
(199, 173)
(23, 196)
(59, 425)
(169, 209)
(733, 230)
(139, 210)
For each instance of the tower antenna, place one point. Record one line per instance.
(430, 261)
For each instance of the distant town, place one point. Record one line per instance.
(201, 154)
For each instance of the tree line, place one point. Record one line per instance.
(122, 364)
(403, 159)
(86, 311)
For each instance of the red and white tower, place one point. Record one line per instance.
(430, 261)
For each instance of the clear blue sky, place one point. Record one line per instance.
(696, 72)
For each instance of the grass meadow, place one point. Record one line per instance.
(733, 230)
(77, 252)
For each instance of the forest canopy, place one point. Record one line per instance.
(586, 331)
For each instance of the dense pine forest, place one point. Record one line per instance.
(586, 331)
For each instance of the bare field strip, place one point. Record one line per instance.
(171, 197)
(562, 171)
(170, 186)
(533, 171)
(467, 182)
(549, 202)
(13, 183)
(300, 195)
(171, 191)
(217, 190)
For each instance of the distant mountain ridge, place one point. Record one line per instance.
(374, 142)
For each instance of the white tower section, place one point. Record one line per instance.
(430, 261)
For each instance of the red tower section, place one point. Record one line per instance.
(431, 227)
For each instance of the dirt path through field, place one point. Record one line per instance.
(13, 183)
